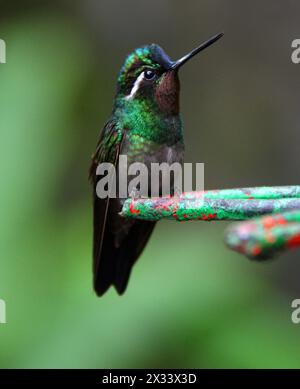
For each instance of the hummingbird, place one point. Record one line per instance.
(146, 126)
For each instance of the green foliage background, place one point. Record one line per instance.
(190, 301)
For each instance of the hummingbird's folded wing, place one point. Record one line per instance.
(117, 242)
(108, 150)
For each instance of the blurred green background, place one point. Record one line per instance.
(190, 301)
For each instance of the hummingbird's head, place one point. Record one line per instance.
(148, 74)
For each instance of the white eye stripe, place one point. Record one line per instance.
(135, 87)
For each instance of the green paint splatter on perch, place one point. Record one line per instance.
(262, 237)
(228, 204)
(259, 238)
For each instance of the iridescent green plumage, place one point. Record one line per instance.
(136, 62)
(142, 114)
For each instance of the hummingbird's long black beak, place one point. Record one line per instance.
(187, 57)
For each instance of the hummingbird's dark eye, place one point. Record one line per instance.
(149, 74)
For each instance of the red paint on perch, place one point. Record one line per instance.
(294, 241)
(256, 251)
(132, 210)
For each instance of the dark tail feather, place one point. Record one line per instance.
(129, 252)
(115, 263)
(105, 272)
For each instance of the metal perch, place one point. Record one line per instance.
(259, 238)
